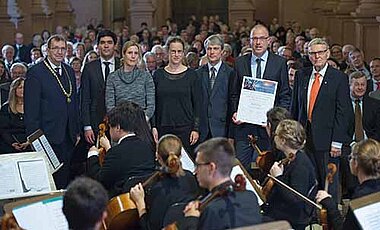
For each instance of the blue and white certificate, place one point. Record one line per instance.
(256, 99)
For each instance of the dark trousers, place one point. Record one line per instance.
(183, 132)
(320, 160)
(64, 152)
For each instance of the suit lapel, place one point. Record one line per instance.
(305, 87)
(205, 79)
(247, 65)
(324, 86)
(99, 73)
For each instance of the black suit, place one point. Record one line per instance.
(93, 107)
(46, 108)
(23, 53)
(275, 70)
(215, 113)
(132, 157)
(331, 114)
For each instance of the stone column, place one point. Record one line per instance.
(64, 13)
(241, 9)
(140, 11)
(367, 27)
(41, 15)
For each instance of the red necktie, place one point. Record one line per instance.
(313, 95)
(378, 85)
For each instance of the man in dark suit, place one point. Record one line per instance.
(51, 104)
(21, 51)
(216, 78)
(321, 102)
(374, 82)
(94, 77)
(258, 64)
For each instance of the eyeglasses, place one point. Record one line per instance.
(199, 164)
(317, 52)
(258, 38)
(56, 49)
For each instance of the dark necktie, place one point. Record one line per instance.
(258, 69)
(107, 69)
(359, 133)
(212, 78)
(57, 71)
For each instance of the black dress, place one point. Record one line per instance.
(178, 101)
(12, 129)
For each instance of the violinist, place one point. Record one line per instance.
(299, 174)
(176, 186)
(365, 165)
(233, 209)
(132, 156)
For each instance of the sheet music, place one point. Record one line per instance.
(34, 176)
(186, 161)
(368, 216)
(10, 180)
(50, 152)
(43, 215)
(237, 170)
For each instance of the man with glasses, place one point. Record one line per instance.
(51, 104)
(321, 102)
(17, 70)
(264, 65)
(229, 209)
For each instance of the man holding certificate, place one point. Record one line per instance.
(258, 70)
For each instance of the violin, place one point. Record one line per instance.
(268, 185)
(265, 159)
(331, 167)
(238, 185)
(102, 133)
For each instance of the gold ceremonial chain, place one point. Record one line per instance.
(68, 95)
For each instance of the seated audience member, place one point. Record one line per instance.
(3, 73)
(17, 70)
(298, 173)
(333, 63)
(177, 186)
(232, 209)
(12, 128)
(374, 83)
(192, 60)
(84, 204)
(365, 164)
(132, 156)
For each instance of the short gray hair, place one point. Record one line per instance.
(318, 41)
(214, 40)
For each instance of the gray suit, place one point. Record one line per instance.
(215, 113)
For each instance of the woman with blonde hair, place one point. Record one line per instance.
(12, 127)
(176, 186)
(365, 165)
(130, 83)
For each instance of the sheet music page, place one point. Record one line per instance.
(237, 170)
(186, 161)
(50, 152)
(368, 216)
(34, 175)
(37, 146)
(43, 215)
(10, 182)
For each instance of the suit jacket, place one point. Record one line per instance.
(24, 53)
(46, 106)
(132, 157)
(215, 112)
(332, 110)
(275, 70)
(370, 118)
(93, 86)
(4, 92)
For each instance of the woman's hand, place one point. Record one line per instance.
(194, 136)
(192, 209)
(276, 170)
(137, 195)
(321, 195)
(155, 134)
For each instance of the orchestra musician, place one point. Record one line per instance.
(84, 204)
(365, 164)
(299, 174)
(132, 156)
(233, 209)
(179, 186)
